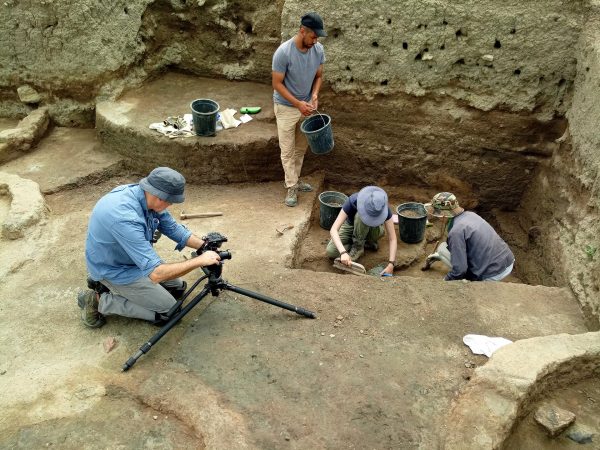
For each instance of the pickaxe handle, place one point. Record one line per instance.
(184, 216)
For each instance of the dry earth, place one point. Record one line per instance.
(377, 369)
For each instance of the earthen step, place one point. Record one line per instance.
(246, 153)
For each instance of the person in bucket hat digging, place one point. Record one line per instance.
(365, 217)
(473, 250)
(126, 276)
(297, 74)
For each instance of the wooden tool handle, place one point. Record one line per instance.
(200, 215)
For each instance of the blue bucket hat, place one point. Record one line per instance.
(372, 204)
(165, 183)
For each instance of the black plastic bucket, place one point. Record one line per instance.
(319, 135)
(330, 206)
(204, 114)
(412, 224)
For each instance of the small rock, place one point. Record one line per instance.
(27, 94)
(553, 419)
(322, 334)
(488, 57)
(580, 434)
(362, 356)
(155, 417)
(427, 57)
(332, 335)
(109, 343)
(2, 372)
(340, 317)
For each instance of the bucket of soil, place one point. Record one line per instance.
(412, 220)
(331, 203)
(319, 135)
(204, 115)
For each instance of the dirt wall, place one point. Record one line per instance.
(74, 53)
(517, 57)
(563, 202)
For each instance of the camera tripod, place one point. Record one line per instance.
(215, 285)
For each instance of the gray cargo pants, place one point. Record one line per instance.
(140, 299)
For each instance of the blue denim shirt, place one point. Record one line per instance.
(118, 246)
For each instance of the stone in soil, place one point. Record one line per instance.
(553, 419)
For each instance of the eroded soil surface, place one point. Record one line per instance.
(582, 399)
(377, 368)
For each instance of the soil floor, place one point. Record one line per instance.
(378, 368)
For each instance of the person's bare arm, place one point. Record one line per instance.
(277, 81)
(391, 232)
(316, 87)
(170, 271)
(335, 237)
(194, 242)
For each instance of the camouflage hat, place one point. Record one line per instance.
(444, 204)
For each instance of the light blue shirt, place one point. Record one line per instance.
(118, 246)
(299, 68)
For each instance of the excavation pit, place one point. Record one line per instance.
(410, 257)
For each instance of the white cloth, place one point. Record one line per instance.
(484, 345)
(170, 131)
(246, 118)
(228, 120)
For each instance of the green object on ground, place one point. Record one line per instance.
(250, 109)
(375, 271)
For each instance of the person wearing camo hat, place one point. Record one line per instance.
(473, 250)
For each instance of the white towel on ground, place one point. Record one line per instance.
(484, 345)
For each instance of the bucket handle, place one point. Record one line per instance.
(320, 115)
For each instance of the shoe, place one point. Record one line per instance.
(356, 251)
(371, 246)
(291, 198)
(88, 302)
(177, 293)
(96, 286)
(304, 187)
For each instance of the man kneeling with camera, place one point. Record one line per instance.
(126, 276)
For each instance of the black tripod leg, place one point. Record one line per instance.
(164, 330)
(179, 302)
(271, 301)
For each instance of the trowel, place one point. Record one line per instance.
(355, 268)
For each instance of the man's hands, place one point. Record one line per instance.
(209, 258)
(305, 108)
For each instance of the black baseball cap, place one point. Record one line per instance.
(313, 21)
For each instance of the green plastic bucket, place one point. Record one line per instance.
(204, 114)
(412, 220)
(330, 206)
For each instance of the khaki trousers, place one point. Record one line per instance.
(292, 142)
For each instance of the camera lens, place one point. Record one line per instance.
(226, 254)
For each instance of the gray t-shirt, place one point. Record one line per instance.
(299, 69)
(477, 252)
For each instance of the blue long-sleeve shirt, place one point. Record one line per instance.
(476, 250)
(118, 246)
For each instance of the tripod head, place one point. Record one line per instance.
(212, 242)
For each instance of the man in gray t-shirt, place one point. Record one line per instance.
(297, 76)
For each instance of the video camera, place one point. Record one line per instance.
(213, 241)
